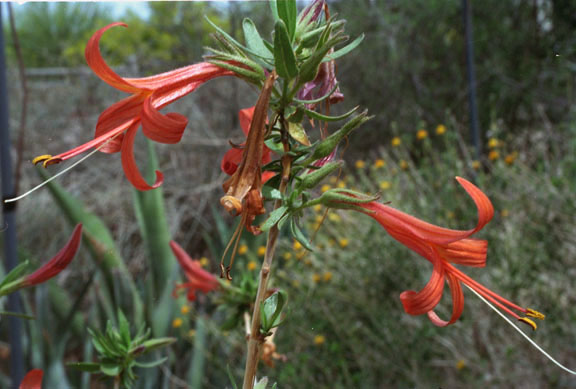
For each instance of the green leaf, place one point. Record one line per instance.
(274, 9)
(15, 273)
(271, 193)
(299, 235)
(274, 218)
(344, 50)
(326, 118)
(228, 370)
(151, 216)
(284, 58)
(253, 39)
(157, 343)
(18, 314)
(297, 132)
(147, 365)
(124, 328)
(288, 12)
(110, 369)
(90, 367)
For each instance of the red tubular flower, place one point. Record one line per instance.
(118, 124)
(233, 157)
(198, 278)
(444, 248)
(58, 263)
(32, 379)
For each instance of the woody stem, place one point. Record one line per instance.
(255, 340)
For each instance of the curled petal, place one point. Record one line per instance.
(457, 303)
(100, 67)
(418, 303)
(129, 164)
(162, 128)
(467, 252)
(390, 217)
(116, 116)
(231, 160)
(59, 262)
(32, 379)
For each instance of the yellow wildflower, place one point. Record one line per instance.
(421, 134)
(251, 265)
(177, 323)
(341, 184)
(334, 217)
(297, 245)
(325, 187)
(343, 242)
(192, 333)
(243, 249)
(385, 185)
(504, 213)
(184, 309)
(319, 218)
(316, 277)
(204, 261)
(396, 141)
(379, 163)
(493, 143)
(440, 129)
(318, 207)
(476, 165)
(510, 158)
(360, 164)
(308, 262)
(493, 155)
(333, 179)
(461, 364)
(319, 340)
(327, 276)
(287, 255)
(403, 164)
(261, 251)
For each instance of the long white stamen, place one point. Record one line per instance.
(54, 176)
(523, 334)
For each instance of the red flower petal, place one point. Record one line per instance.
(100, 67)
(426, 299)
(32, 380)
(115, 116)
(129, 164)
(59, 262)
(161, 128)
(457, 303)
(231, 160)
(245, 117)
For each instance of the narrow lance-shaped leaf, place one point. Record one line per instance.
(284, 58)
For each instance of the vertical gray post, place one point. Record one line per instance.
(474, 128)
(9, 221)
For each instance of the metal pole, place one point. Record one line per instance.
(474, 127)
(9, 221)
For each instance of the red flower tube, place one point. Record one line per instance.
(198, 278)
(58, 263)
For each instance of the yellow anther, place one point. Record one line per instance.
(41, 158)
(529, 322)
(535, 314)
